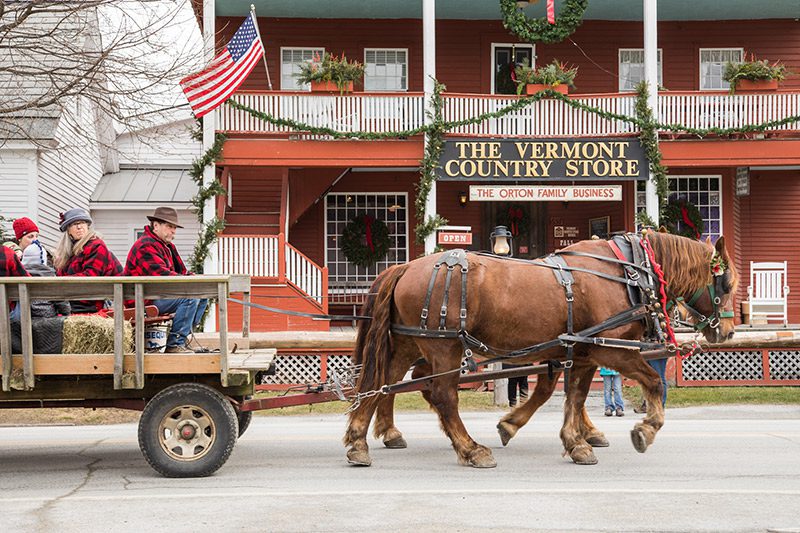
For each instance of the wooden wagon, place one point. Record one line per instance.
(191, 415)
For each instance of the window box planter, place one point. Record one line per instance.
(330, 87)
(756, 85)
(533, 88)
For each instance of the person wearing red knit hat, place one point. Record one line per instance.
(26, 231)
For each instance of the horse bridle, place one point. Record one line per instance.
(701, 321)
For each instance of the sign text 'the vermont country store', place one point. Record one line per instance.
(542, 159)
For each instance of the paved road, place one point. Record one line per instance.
(711, 469)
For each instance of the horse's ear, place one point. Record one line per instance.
(720, 247)
(709, 243)
(663, 229)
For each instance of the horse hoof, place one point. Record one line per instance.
(597, 441)
(639, 440)
(396, 443)
(482, 458)
(358, 458)
(582, 454)
(505, 431)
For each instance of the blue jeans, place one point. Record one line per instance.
(188, 313)
(613, 384)
(660, 366)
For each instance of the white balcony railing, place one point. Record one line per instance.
(375, 112)
(345, 113)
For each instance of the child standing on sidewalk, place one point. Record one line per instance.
(612, 382)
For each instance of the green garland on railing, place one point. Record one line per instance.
(648, 136)
(539, 30)
(426, 225)
(209, 231)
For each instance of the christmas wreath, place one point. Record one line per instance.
(365, 240)
(516, 218)
(540, 30)
(682, 217)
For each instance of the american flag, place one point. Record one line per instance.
(210, 87)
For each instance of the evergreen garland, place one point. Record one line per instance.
(355, 245)
(539, 30)
(208, 233)
(426, 225)
(648, 136)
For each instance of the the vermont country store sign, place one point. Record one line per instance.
(542, 159)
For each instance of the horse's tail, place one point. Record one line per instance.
(373, 345)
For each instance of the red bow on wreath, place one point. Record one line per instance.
(368, 220)
(515, 217)
(688, 222)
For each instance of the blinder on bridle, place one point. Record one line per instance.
(719, 287)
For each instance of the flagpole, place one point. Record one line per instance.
(255, 23)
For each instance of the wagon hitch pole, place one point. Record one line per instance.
(257, 404)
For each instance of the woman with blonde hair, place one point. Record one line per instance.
(82, 252)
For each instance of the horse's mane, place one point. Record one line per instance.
(685, 262)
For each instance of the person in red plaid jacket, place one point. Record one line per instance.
(10, 265)
(82, 252)
(154, 254)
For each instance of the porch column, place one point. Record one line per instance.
(651, 77)
(429, 73)
(209, 129)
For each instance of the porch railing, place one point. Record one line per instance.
(352, 112)
(380, 112)
(270, 256)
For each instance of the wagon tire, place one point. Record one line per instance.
(188, 430)
(244, 417)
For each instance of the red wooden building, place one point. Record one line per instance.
(292, 193)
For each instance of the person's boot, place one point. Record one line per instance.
(642, 408)
(609, 412)
(620, 412)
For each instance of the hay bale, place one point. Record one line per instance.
(93, 334)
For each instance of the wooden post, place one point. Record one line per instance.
(119, 335)
(27, 335)
(222, 309)
(281, 258)
(500, 387)
(325, 289)
(5, 337)
(139, 342)
(246, 315)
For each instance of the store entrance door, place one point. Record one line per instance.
(525, 220)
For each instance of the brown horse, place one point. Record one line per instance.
(511, 305)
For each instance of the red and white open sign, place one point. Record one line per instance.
(455, 237)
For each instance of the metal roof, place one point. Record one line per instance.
(145, 185)
(490, 9)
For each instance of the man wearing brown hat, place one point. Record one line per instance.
(154, 254)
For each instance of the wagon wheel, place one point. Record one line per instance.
(244, 417)
(187, 430)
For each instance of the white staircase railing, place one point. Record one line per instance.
(270, 256)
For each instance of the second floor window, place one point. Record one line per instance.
(712, 66)
(385, 69)
(631, 68)
(291, 59)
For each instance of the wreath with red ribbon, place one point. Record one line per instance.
(682, 217)
(516, 218)
(365, 240)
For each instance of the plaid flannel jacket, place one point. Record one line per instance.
(95, 260)
(150, 256)
(10, 264)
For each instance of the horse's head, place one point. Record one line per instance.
(710, 307)
(703, 285)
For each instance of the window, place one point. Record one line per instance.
(712, 66)
(705, 192)
(631, 68)
(386, 69)
(291, 59)
(340, 208)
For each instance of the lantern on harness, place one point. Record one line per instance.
(501, 241)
